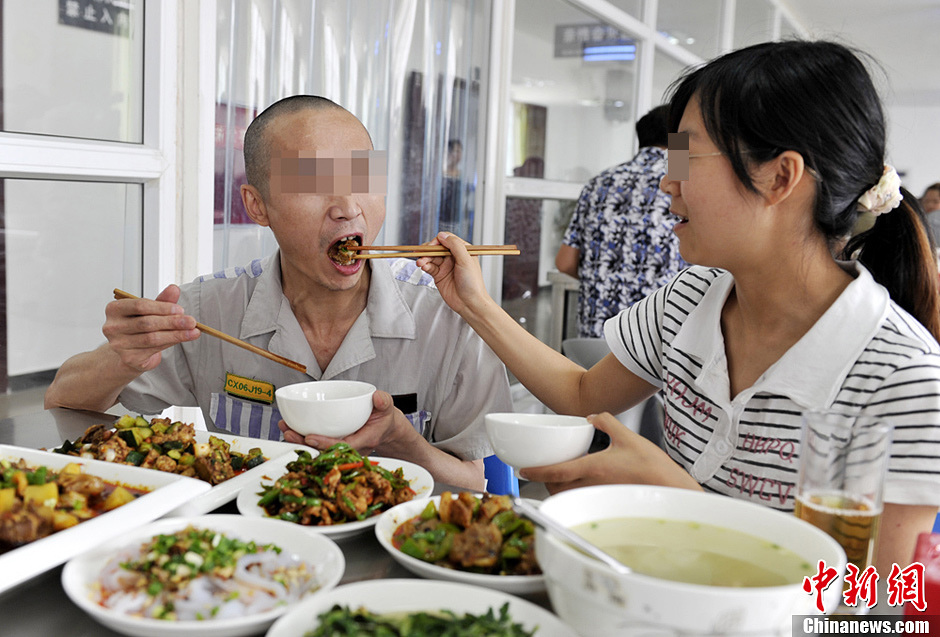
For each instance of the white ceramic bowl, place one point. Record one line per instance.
(334, 408)
(599, 602)
(396, 516)
(411, 595)
(535, 440)
(81, 573)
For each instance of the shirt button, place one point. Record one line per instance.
(722, 447)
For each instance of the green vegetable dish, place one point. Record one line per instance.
(341, 621)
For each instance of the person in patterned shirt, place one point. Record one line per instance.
(619, 243)
(779, 315)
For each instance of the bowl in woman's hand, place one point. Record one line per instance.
(534, 440)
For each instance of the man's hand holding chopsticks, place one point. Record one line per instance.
(138, 330)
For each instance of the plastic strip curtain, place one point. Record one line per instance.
(410, 70)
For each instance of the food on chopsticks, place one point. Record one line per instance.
(201, 574)
(163, 445)
(341, 620)
(470, 533)
(342, 252)
(334, 487)
(36, 502)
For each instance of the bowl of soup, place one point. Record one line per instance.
(334, 408)
(700, 563)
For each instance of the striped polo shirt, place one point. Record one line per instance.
(865, 355)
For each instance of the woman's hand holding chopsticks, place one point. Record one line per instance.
(458, 276)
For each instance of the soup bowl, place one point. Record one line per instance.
(597, 601)
(334, 408)
(534, 440)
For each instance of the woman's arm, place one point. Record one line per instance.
(630, 459)
(900, 526)
(559, 383)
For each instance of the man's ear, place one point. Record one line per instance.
(784, 174)
(254, 205)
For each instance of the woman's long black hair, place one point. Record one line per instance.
(818, 99)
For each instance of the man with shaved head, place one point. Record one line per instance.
(316, 181)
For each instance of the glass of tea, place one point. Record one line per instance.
(843, 461)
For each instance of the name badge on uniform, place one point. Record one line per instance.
(257, 390)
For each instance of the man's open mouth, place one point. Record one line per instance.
(340, 252)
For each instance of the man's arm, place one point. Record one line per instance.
(138, 330)
(567, 260)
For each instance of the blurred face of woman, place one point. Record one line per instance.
(931, 200)
(718, 221)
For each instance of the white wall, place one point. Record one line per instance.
(914, 145)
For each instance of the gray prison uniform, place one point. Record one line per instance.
(406, 342)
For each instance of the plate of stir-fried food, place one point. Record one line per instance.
(413, 607)
(337, 492)
(464, 537)
(206, 576)
(224, 461)
(52, 507)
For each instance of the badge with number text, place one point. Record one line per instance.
(249, 388)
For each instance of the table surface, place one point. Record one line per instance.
(40, 607)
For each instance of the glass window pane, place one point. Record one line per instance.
(692, 25)
(573, 92)
(537, 227)
(68, 245)
(73, 68)
(633, 7)
(666, 70)
(753, 23)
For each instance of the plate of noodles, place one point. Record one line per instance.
(208, 576)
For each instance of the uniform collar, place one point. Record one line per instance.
(813, 370)
(386, 315)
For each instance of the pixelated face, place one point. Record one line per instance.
(327, 189)
(330, 172)
(715, 212)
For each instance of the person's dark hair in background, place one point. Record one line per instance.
(653, 128)
(808, 109)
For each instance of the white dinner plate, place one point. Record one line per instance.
(247, 501)
(167, 491)
(80, 574)
(410, 595)
(227, 491)
(394, 517)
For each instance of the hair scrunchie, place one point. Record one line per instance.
(884, 196)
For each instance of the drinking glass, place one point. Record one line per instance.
(843, 461)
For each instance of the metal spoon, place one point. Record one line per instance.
(569, 536)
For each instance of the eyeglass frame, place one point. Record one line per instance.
(810, 170)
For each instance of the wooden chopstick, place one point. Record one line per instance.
(434, 251)
(121, 294)
(424, 247)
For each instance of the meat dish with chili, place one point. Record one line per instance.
(469, 533)
(334, 487)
